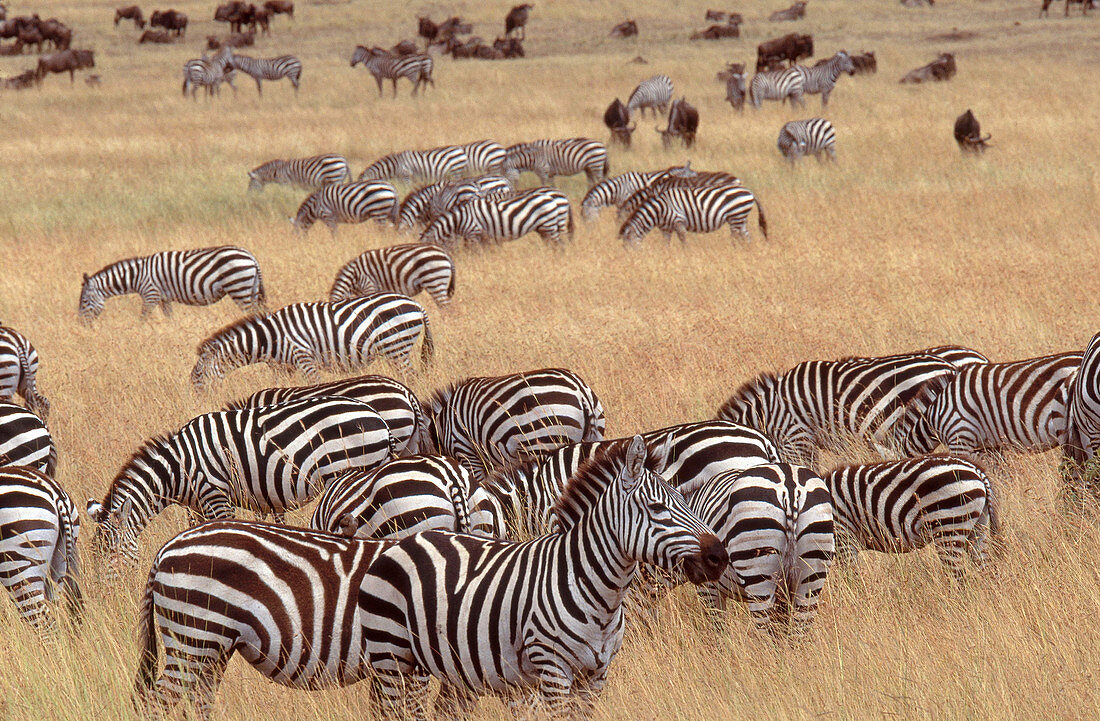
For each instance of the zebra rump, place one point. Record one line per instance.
(404, 269)
(654, 93)
(19, 371)
(807, 137)
(25, 440)
(698, 210)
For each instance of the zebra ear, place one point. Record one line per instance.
(634, 468)
(120, 516)
(85, 277)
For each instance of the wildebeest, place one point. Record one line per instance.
(865, 63)
(22, 81)
(968, 133)
(917, 3)
(617, 120)
(730, 70)
(171, 20)
(235, 40)
(509, 47)
(721, 16)
(789, 48)
(735, 89)
(64, 61)
(132, 12)
(942, 68)
(156, 36)
(405, 47)
(717, 32)
(237, 14)
(794, 12)
(1085, 6)
(517, 20)
(3, 12)
(280, 7)
(683, 121)
(625, 29)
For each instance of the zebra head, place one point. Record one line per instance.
(113, 537)
(91, 299)
(515, 160)
(844, 63)
(359, 56)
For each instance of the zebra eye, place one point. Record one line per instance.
(657, 508)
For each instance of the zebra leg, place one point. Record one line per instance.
(378, 79)
(454, 702)
(395, 87)
(951, 549)
(681, 233)
(259, 87)
(400, 695)
(166, 308)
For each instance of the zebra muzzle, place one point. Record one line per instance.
(709, 563)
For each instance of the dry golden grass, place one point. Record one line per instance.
(903, 243)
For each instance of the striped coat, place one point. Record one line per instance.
(19, 371)
(822, 78)
(653, 93)
(807, 137)
(347, 203)
(425, 205)
(434, 165)
(1082, 436)
(383, 65)
(315, 171)
(776, 85)
(499, 218)
(260, 69)
(209, 74)
(550, 158)
(405, 269)
(615, 191)
(25, 440)
(699, 210)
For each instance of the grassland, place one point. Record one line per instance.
(903, 243)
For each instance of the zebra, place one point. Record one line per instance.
(310, 336)
(1082, 434)
(992, 406)
(209, 73)
(19, 371)
(956, 355)
(550, 158)
(284, 66)
(425, 205)
(683, 454)
(25, 440)
(404, 269)
(268, 460)
(316, 171)
(39, 527)
(699, 210)
(385, 66)
(434, 165)
(615, 191)
(406, 496)
(484, 157)
(346, 203)
(822, 77)
(487, 422)
(654, 93)
(396, 403)
(676, 177)
(545, 211)
(540, 620)
(202, 276)
(776, 85)
(807, 137)
(902, 506)
(825, 403)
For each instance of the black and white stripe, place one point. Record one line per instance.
(807, 137)
(202, 276)
(405, 269)
(497, 218)
(654, 93)
(25, 440)
(433, 165)
(260, 69)
(383, 65)
(425, 205)
(676, 177)
(776, 85)
(308, 337)
(347, 203)
(822, 78)
(1082, 436)
(315, 171)
(698, 210)
(550, 158)
(208, 73)
(484, 157)
(615, 191)
(19, 371)
(39, 527)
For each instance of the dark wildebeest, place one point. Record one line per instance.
(64, 61)
(236, 40)
(683, 121)
(405, 47)
(56, 32)
(942, 68)
(449, 29)
(22, 81)
(517, 20)
(730, 70)
(237, 14)
(509, 47)
(917, 3)
(794, 12)
(865, 63)
(1086, 5)
(968, 133)
(280, 7)
(721, 16)
(171, 20)
(133, 12)
(617, 120)
(155, 36)
(4, 16)
(717, 32)
(426, 29)
(736, 90)
(626, 29)
(789, 48)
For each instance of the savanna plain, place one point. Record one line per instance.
(902, 243)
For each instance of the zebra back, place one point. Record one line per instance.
(313, 172)
(654, 93)
(25, 440)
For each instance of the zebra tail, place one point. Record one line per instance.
(428, 348)
(147, 637)
(569, 225)
(261, 291)
(70, 584)
(451, 285)
(760, 217)
(423, 435)
(461, 505)
(51, 462)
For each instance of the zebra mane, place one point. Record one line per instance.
(439, 398)
(137, 460)
(225, 331)
(757, 388)
(585, 487)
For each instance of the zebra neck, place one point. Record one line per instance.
(596, 564)
(148, 484)
(119, 278)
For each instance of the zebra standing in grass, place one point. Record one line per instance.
(260, 69)
(902, 506)
(395, 402)
(310, 336)
(822, 78)
(434, 165)
(347, 203)
(314, 172)
(425, 205)
(406, 269)
(484, 157)
(268, 460)
(490, 422)
(209, 73)
(383, 65)
(39, 526)
(193, 277)
(615, 191)
(676, 177)
(699, 210)
(25, 440)
(545, 211)
(550, 158)
(1082, 436)
(19, 371)
(654, 93)
(776, 85)
(807, 137)
(825, 403)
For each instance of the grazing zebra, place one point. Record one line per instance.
(776, 85)
(545, 211)
(777, 524)
(683, 455)
(307, 337)
(434, 165)
(19, 371)
(39, 526)
(193, 277)
(284, 66)
(826, 403)
(615, 191)
(25, 440)
(699, 210)
(383, 65)
(396, 403)
(550, 158)
(484, 157)
(425, 205)
(902, 506)
(991, 406)
(268, 460)
(209, 73)
(654, 93)
(822, 78)
(406, 496)
(490, 422)
(1082, 436)
(313, 172)
(807, 137)
(347, 203)
(542, 620)
(404, 269)
(676, 177)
